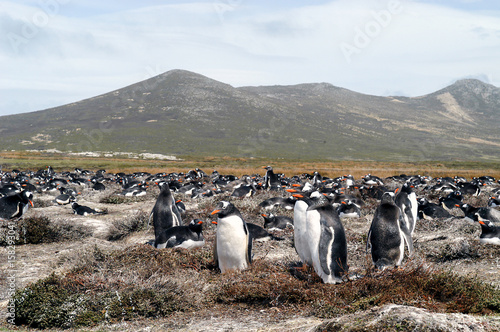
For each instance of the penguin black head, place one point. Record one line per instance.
(387, 198)
(224, 208)
(196, 225)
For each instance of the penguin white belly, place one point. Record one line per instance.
(493, 240)
(299, 232)
(232, 244)
(414, 210)
(313, 234)
(191, 244)
(401, 246)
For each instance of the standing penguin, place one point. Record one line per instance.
(406, 199)
(165, 213)
(329, 250)
(271, 180)
(302, 229)
(386, 238)
(233, 243)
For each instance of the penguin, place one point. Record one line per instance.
(233, 243)
(258, 233)
(64, 199)
(490, 233)
(84, 210)
(406, 200)
(273, 202)
(372, 180)
(348, 209)
(244, 191)
(98, 186)
(329, 247)
(449, 202)
(271, 180)
(15, 206)
(493, 201)
(303, 230)
(187, 237)
(165, 213)
(428, 210)
(386, 238)
(276, 223)
(469, 211)
(180, 206)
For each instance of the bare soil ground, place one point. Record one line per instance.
(448, 243)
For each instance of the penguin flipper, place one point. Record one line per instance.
(216, 257)
(249, 249)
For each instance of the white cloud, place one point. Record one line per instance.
(82, 51)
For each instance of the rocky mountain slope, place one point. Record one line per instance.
(184, 113)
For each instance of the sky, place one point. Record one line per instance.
(55, 52)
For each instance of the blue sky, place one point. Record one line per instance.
(54, 52)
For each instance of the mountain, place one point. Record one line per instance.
(184, 113)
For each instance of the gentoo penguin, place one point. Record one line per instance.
(329, 249)
(406, 199)
(493, 201)
(16, 205)
(187, 237)
(84, 210)
(276, 223)
(348, 209)
(98, 186)
(490, 233)
(244, 191)
(372, 180)
(273, 202)
(469, 211)
(165, 213)
(428, 210)
(64, 199)
(302, 229)
(233, 243)
(271, 180)
(386, 238)
(258, 233)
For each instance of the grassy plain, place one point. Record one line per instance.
(238, 166)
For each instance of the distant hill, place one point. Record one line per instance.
(184, 113)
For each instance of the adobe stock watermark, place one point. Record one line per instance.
(223, 6)
(11, 271)
(365, 35)
(47, 10)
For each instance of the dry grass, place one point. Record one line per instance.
(141, 281)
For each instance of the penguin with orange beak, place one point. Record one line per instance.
(16, 205)
(233, 242)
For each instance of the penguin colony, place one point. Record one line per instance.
(320, 206)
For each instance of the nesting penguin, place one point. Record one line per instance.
(348, 209)
(490, 233)
(165, 213)
(83, 210)
(329, 249)
(187, 237)
(15, 206)
(386, 238)
(233, 243)
(276, 223)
